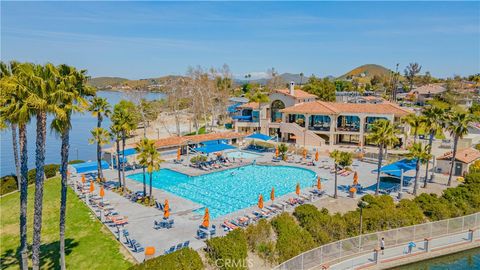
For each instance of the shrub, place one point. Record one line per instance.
(291, 238)
(76, 161)
(31, 176)
(8, 183)
(434, 207)
(184, 259)
(51, 170)
(260, 239)
(198, 159)
(230, 251)
(314, 221)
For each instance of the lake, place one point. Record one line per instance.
(464, 260)
(82, 123)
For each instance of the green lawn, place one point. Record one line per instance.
(89, 245)
(438, 136)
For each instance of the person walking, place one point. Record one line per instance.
(382, 245)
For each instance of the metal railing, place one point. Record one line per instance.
(366, 243)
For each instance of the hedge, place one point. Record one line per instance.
(229, 252)
(260, 239)
(291, 238)
(183, 259)
(9, 183)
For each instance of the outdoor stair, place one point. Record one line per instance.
(311, 138)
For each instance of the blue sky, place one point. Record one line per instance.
(146, 39)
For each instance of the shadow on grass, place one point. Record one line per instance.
(50, 256)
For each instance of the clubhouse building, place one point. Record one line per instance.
(296, 116)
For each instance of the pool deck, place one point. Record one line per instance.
(141, 218)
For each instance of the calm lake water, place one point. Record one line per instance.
(469, 259)
(79, 147)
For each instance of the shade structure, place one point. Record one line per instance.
(91, 166)
(260, 201)
(297, 189)
(166, 205)
(102, 192)
(395, 169)
(166, 213)
(206, 218)
(259, 136)
(92, 187)
(316, 155)
(272, 194)
(212, 148)
(355, 178)
(304, 153)
(83, 178)
(179, 152)
(319, 183)
(276, 151)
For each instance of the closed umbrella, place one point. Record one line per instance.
(166, 213)
(297, 189)
(319, 183)
(102, 192)
(276, 151)
(178, 153)
(316, 155)
(83, 178)
(272, 194)
(166, 206)
(206, 218)
(92, 187)
(304, 153)
(260, 201)
(355, 179)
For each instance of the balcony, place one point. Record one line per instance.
(320, 127)
(348, 128)
(244, 118)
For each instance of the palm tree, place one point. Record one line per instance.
(336, 156)
(101, 137)
(72, 91)
(42, 99)
(125, 117)
(458, 124)
(140, 148)
(421, 154)
(116, 132)
(383, 134)
(259, 97)
(415, 122)
(150, 158)
(16, 108)
(99, 108)
(434, 121)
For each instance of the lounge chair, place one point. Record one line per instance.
(172, 249)
(229, 226)
(186, 244)
(179, 246)
(318, 192)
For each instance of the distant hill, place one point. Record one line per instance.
(366, 71)
(103, 82)
(288, 77)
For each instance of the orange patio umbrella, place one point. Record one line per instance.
(260, 201)
(319, 183)
(149, 251)
(102, 192)
(178, 153)
(272, 194)
(316, 155)
(83, 178)
(355, 178)
(206, 218)
(304, 153)
(92, 187)
(276, 151)
(166, 213)
(297, 189)
(166, 206)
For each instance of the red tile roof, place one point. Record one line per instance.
(299, 94)
(467, 155)
(252, 105)
(321, 107)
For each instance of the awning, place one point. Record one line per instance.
(396, 168)
(88, 166)
(129, 152)
(259, 136)
(214, 142)
(212, 148)
(242, 117)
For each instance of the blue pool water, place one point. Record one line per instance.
(469, 259)
(234, 189)
(241, 154)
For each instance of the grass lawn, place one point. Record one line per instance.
(88, 244)
(438, 136)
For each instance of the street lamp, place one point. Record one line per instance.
(361, 205)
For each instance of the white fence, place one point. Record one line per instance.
(366, 243)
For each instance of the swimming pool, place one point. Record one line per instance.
(227, 191)
(242, 154)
